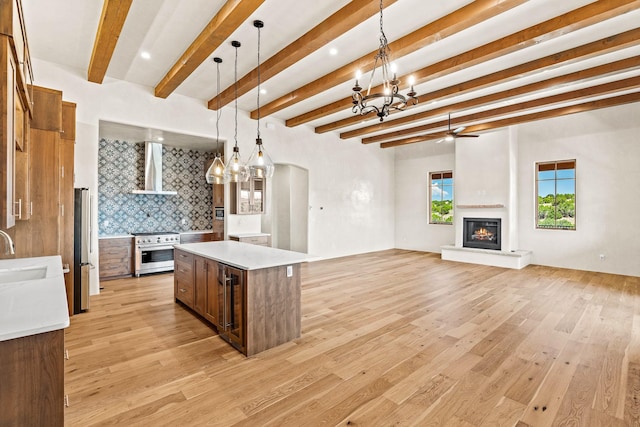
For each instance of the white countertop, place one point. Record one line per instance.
(116, 236)
(31, 307)
(241, 235)
(244, 255)
(196, 232)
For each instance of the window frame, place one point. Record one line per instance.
(555, 168)
(430, 200)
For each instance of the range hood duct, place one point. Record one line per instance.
(153, 170)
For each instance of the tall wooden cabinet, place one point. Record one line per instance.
(66, 151)
(49, 228)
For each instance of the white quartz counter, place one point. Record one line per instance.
(31, 306)
(244, 255)
(241, 235)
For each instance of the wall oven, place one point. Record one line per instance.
(154, 252)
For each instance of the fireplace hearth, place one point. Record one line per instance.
(481, 233)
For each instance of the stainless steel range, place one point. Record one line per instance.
(154, 252)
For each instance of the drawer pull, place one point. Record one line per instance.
(66, 354)
(183, 290)
(66, 400)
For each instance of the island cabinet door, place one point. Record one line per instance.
(211, 303)
(231, 303)
(200, 287)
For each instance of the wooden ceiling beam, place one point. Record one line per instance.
(576, 19)
(455, 22)
(589, 50)
(226, 21)
(598, 71)
(547, 114)
(354, 13)
(114, 13)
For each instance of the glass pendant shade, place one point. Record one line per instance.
(215, 173)
(236, 170)
(260, 164)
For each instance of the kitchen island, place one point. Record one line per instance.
(249, 293)
(33, 315)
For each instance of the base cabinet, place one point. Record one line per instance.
(32, 384)
(252, 310)
(116, 257)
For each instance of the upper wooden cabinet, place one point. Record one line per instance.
(47, 107)
(68, 121)
(7, 134)
(12, 25)
(248, 197)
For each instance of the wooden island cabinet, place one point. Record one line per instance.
(249, 293)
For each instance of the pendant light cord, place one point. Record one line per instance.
(235, 90)
(258, 82)
(218, 112)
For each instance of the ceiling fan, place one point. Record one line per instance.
(453, 134)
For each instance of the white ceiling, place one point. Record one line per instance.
(63, 31)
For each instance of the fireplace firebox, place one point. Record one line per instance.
(481, 233)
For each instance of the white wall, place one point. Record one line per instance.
(413, 164)
(350, 193)
(606, 146)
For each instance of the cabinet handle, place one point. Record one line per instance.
(30, 208)
(183, 290)
(66, 354)
(19, 203)
(61, 209)
(66, 400)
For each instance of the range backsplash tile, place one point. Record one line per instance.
(121, 170)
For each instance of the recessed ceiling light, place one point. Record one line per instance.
(333, 51)
(263, 91)
(145, 55)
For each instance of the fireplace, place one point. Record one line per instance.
(481, 233)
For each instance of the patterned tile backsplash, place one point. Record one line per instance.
(121, 170)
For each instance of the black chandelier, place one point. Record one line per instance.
(390, 98)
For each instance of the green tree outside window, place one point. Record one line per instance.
(556, 194)
(441, 197)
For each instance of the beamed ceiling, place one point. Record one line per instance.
(488, 63)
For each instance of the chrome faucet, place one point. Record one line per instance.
(8, 243)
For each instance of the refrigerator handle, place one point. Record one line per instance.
(89, 222)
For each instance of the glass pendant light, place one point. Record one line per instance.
(236, 170)
(260, 164)
(215, 173)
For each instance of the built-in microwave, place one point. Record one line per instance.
(218, 214)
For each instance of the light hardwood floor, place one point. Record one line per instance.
(388, 338)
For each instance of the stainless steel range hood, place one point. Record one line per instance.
(153, 170)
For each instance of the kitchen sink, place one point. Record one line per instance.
(23, 274)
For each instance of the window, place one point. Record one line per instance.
(441, 197)
(556, 192)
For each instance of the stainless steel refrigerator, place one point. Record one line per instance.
(82, 248)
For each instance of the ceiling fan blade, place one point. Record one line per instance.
(467, 136)
(460, 129)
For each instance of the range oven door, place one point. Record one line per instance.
(153, 259)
